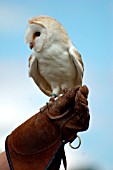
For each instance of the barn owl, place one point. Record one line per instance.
(55, 64)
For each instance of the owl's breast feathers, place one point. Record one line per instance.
(56, 65)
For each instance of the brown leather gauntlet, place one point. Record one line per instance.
(33, 144)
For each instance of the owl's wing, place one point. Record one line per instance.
(37, 77)
(77, 60)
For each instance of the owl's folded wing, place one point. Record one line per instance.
(37, 77)
(77, 60)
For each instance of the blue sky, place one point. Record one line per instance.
(89, 24)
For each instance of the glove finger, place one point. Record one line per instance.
(84, 90)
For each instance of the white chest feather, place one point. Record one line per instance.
(56, 65)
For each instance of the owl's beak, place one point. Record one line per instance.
(31, 45)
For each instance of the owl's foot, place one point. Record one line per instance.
(52, 99)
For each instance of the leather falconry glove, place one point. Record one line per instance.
(38, 143)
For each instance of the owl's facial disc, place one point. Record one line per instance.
(35, 35)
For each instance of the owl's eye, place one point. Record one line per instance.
(36, 34)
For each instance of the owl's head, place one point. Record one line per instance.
(44, 30)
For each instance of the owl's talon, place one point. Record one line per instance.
(52, 99)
